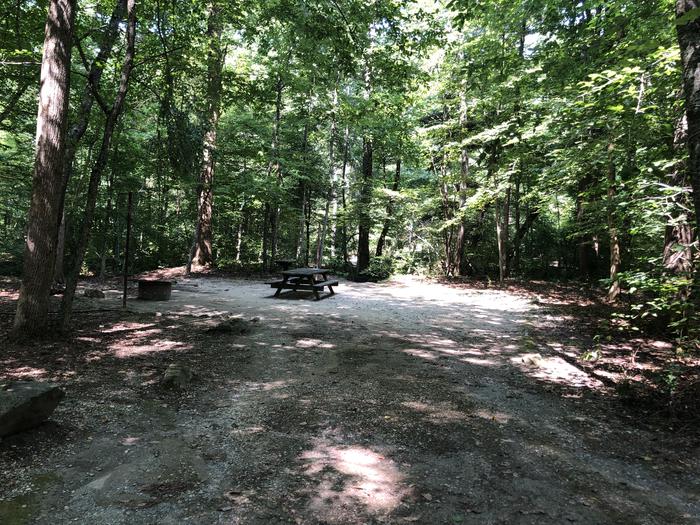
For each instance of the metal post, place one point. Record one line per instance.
(126, 248)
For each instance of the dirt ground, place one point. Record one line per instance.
(401, 402)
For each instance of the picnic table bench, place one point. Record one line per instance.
(304, 279)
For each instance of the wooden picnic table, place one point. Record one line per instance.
(304, 279)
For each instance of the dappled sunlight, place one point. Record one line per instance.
(494, 416)
(436, 413)
(26, 372)
(554, 369)
(312, 343)
(351, 479)
(126, 327)
(126, 350)
(481, 361)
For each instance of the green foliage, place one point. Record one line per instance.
(380, 269)
(552, 122)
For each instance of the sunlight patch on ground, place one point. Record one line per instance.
(442, 413)
(124, 350)
(26, 372)
(423, 354)
(351, 479)
(498, 417)
(312, 343)
(556, 370)
(125, 327)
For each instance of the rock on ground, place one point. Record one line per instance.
(177, 376)
(26, 404)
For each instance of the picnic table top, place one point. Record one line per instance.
(304, 272)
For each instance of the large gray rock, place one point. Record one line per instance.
(26, 404)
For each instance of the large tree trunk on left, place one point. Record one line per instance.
(113, 113)
(203, 255)
(689, 41)
(47, 181)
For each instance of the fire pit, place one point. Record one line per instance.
(154, 289)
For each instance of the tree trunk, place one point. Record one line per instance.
(331, 187)
(47, 181)
(203, 255)
(689, 41)
(277, 169)
(584, 248)
(389, 210)
(302, 220)
(343, 244)
(265, 238)
(58, 275)
(364, 219)
(79, 127)
(520, 233)
(615, 253)
(113, 115)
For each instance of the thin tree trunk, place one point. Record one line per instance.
(276, 169)
(47, 181)
(364, 219)
(79, 127)
(239, 232)
(265, 238)
(302, 220)
(584, 248)
(215, 61)
(461, 262)
(389, 210)
(343, 201)
(615, 253)
(331, 187)
(58, 275)
(16, 96)
(520, 233)
(113, 115)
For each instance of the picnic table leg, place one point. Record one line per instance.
(325, 278)
(279, 290)
(312, 282)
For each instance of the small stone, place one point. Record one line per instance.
(177, 376)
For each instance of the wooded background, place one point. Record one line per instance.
(522, 138)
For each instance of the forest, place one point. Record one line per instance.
(546, 149)
(536, 139)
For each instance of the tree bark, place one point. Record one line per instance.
(112, 119)
(615, 252)
(364, 219)
(389, 210)
(79, 127)
(47, 181)
(343, 200)
(276, 168)
(58, 275)
(689, 41)
(331, 187)
(203, 255)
